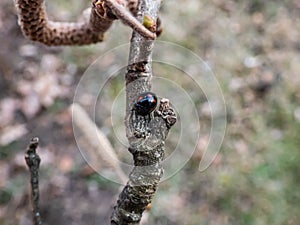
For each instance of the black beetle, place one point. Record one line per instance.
(145, 103)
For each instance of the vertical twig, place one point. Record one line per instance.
(146, 134)
(127, 18)
(33, 162)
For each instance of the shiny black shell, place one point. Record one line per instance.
(145, 103)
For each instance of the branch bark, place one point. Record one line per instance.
(36, 26)
(146, 134)
(95, 22)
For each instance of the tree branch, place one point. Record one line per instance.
(146, 134)
(127, 18)
(36, 26)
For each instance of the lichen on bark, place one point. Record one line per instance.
(146, 134)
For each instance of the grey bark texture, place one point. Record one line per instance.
(146, 134)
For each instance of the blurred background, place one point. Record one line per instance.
(253, 49)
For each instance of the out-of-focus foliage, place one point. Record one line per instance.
(253, 47)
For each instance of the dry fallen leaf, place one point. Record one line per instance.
(31, 105)
(66, 164)
(7, 108)
(12, 133)
(48, 89)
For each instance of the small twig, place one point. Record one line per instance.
(127, 18)
(33, 162)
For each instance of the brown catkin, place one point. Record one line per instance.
(36, 26)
